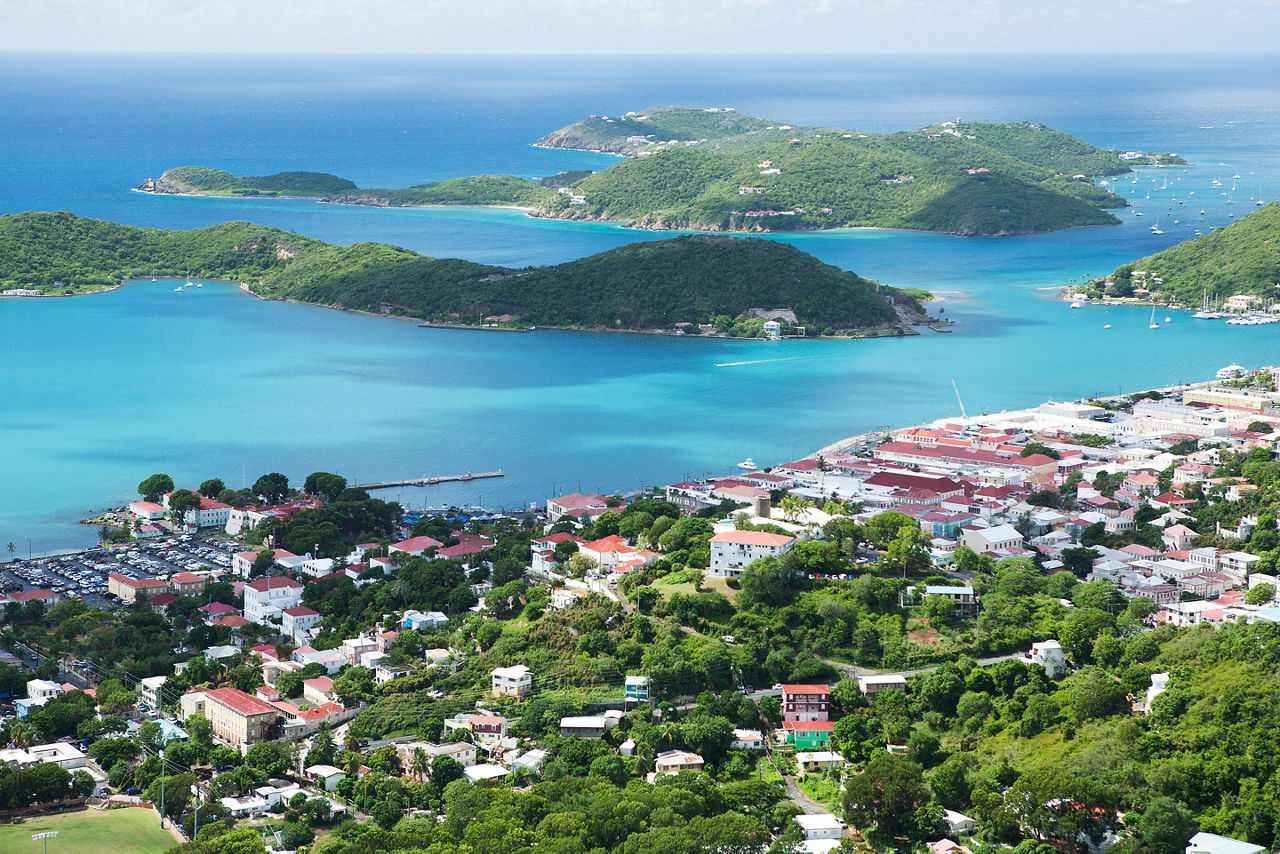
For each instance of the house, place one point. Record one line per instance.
(948, 846)
(237, 717)
(959, 824)
(1049, 655)
(733, 551)
(461, 752)
(869, 686)
(186, 584)
(383, 673)
(485, 771)
(584, 726)
(210, 513)
(414, 619)
(149, 691)
(966, 601)
(822, 832)
(265, 599)
(1212, 843)
(999, 538)
(415, 546)
(59, 753)
(298, 621)
(810, 761)
(675, 761)
(42, 689)
(488, 729)
(809, 735)
(161, 602)
(636, 689)
(564, 597)
(515, 681)
(747, 739)
(148, 511)
(1159, 684)
(576, 505)
(327, 777)
(317, 690)
(805, 702)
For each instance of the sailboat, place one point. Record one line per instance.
(1155, 229)
(1153, 325)
(189, 284)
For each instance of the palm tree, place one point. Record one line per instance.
(11, 550)
(792, 506)
(350, 742)
(669, 734)
(421, 764)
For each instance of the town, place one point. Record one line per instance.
(888, 644)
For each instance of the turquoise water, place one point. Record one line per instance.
(100, 391)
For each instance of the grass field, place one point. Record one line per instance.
(120, 831)
(719, 585)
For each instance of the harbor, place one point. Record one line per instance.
(429, 480)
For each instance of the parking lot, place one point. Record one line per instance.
(83, 575)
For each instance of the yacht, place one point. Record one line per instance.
(748, 464)
(1153, 325)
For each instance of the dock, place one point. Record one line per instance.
(428, 480)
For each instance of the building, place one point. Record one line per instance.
(747, 739)
(418, 620)
(583, 726)
(576, 505)
(1212, 843)
(809, 735)
(869, 686)
(210, 513)
(733, 551)
(415, 546)
(239, 718)
(1049, 655)
(298, 621)
(265, 599)
(966, 601)
(636, 689)
(327, 777)
(805, 702)
(148, 511)
(675, 761)
(186, 584)
(42, 689)
(822, 831)
(131, 590)
(999, 538)
(150, 691)
(813, 761)
(515, 681)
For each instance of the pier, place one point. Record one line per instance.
(428, 481)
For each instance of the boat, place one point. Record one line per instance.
(1230, 371)
(1107, 326)
(1168, 320)
(1075, 305)
(177, 290)
(199, 284)
(1153, 325)
(748, 464)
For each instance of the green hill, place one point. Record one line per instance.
(718, 170)
(692, 279)
(1242, 258)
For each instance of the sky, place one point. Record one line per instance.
(644, 27)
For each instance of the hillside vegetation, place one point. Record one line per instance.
(640, 286)
(718, 170)
(1242, 258)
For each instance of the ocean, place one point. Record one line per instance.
(101, 391)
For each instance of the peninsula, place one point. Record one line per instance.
(716, 170)
(702, 284)
(1239, 263)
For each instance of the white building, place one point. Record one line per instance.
(999, 538)
(265, 599)
(822, 832)
(298, 621)
(1212, 843)
(733, 551)
(515, 681)
(1049, 655)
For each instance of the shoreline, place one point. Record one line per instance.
(533, 213)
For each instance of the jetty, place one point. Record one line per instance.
(431, 480)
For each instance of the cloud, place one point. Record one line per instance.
(650, 27)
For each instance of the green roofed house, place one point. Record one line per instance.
(809, 735)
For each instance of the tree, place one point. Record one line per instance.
(1166, 826)
(271, 757)
(887, 795)
(272, 487)
(263, 562)
(153, 487)
(177, 793)
(182, 501)
(212, 487)
(323, 484)
(1260, 594)
(323, 750)
(907, 553)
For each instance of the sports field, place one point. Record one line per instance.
(119, 831)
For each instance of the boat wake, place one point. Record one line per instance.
(754, 362)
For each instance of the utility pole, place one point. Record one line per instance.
(162, 788)
(45, 837)
(195, 822)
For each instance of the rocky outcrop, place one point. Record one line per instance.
(163, 187)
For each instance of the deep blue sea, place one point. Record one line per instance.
(98, 392)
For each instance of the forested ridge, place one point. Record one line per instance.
(1241, 258)
(640, 286)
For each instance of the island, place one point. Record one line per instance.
(719, 171)
(1235, 268)
(694, 284)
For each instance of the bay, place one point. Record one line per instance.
(99, 392)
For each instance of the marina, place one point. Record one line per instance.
(429, 480)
